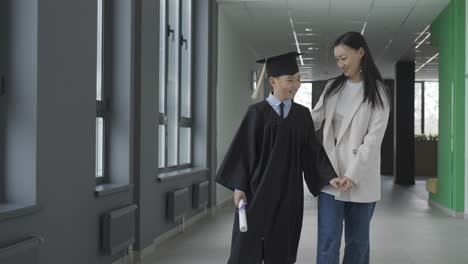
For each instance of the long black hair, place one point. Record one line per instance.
(373, 83)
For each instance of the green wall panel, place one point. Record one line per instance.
(448, 34)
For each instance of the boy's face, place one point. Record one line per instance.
(285, 87)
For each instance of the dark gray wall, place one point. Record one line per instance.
(206, 24)
(63, 42)
(146, 144)
(59, 45)
(151, 194)
(233, 92)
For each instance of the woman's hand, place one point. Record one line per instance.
(336, 183)
(346, 184)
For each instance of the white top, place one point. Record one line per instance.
(347, 93)
(345, 99)
(357, 150)
(355, 153)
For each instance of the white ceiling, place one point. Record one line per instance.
(392, 27)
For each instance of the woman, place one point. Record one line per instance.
(355, 107)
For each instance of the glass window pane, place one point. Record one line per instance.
(185, 145)
(172, 86)
(99, 51)
(304, 95)
(431, 108)
(254, 77)
(186, 59)
(417, 108)
(162, 146)
(99, 147)
(162, 56)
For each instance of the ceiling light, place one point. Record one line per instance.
(428, 61)
(422, 41)
(422, 33)
(307, 34)
(306, 43)
(291, 21)
(367, 18)
(308, 29)
(352, 22)
(364, 28)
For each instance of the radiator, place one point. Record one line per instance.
(200, 195)
(21, 252)
(118, 229)
(178, 203)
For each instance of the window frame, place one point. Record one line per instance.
(422, 83)
(102, 106)
(182, 121)
(2, 134)
(3, 102)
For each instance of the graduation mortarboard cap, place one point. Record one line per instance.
(284, 64)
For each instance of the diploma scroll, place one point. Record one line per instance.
(242, 216)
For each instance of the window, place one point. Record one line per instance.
(2, 124)
(175, 87)
(114, 82)
(426, 108)
(304, 95)
(3, 110)
(418, 109)
(2, 134)
(101, 107)
(18, 106)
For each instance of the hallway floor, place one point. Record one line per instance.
(405, 230)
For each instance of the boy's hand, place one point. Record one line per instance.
(336, 183)
(239, 195)
(346, 184)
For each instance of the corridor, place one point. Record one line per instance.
(405, 230)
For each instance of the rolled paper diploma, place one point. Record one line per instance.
(242, 216)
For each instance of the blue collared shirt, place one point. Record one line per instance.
(275, 103)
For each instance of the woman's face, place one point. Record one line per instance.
(348, 60)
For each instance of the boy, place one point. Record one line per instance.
(275, 143)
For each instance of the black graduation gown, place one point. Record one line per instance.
(266, 159)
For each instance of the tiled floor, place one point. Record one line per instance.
(405, 230)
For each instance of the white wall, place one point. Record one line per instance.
(236, 60)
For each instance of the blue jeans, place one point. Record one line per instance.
(356, 218)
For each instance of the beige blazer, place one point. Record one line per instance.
(357, 151)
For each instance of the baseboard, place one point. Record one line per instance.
(119, 261)
(123, 260)
(172, 233)
(447, 211)
(224, 203)
(147, 251)
(179, 228)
